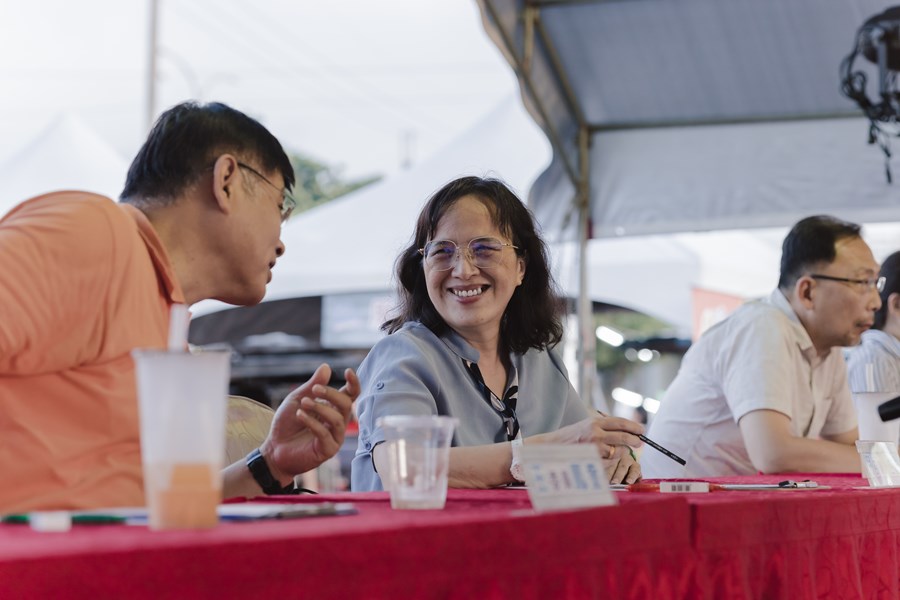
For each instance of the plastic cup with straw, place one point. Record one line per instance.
(182, 398)
(178, 328)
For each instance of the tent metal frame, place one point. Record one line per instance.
(579, 174)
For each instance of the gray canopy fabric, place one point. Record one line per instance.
(694, 114)
(690, 115)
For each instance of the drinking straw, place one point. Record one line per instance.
(178, 328)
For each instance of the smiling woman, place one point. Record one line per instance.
(474, 340)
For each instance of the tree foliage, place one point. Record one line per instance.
(318, 183)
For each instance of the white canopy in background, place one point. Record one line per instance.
(67, 155)
(350, 244)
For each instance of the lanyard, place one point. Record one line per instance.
(505, 407)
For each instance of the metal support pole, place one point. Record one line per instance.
(587, 363)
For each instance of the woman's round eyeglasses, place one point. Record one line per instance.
(483, 252)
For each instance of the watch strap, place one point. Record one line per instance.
(256, 462)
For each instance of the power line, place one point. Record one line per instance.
(220, 31)
(329, 69)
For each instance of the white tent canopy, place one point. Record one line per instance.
(350, 244)
(67, 155)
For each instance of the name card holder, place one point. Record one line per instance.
(565, 476)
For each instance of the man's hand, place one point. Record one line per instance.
(309, 426)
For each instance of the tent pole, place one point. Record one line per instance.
(506, 41)
(587, 365)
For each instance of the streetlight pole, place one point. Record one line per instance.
(151, 64)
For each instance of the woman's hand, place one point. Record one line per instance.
(625, 469)
(611, 435)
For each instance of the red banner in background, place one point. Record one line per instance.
(709, 308)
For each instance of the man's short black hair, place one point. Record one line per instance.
(185, 142)
(811, 242)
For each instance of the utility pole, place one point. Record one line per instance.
(151, 64)
(407, 148)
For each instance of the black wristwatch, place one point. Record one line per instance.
(256, 462)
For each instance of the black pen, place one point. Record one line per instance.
(665, 451)
(657, 447)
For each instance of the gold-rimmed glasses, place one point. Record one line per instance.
(483, 252)
(288, 202)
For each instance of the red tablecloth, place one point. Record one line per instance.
(840, 542)
(484, 544)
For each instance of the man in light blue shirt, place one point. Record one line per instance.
(880, 346)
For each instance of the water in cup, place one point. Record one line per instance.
(418, 457)
(182, 399)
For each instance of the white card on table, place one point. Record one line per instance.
(565, 476)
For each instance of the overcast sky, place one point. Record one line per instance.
(356, 83)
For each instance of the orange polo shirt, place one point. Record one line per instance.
(83, 281)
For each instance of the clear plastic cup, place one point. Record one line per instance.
(418, 458)
(183, 401)
(871, 427)
(880, 462)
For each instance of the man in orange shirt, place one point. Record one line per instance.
(84, 280)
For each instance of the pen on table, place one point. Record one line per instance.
(692, 486)
(75, 519)
(657, 447)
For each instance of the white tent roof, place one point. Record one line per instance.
(67, 155)
(350, 244)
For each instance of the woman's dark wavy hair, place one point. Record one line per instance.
(186, 140)
(890, 270)
(532, 318)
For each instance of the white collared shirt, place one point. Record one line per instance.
(882, 351)
(759, 358)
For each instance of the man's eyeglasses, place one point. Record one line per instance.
(288, 202)
(863, 285)
(484, 253)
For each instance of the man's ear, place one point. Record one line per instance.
(224, 182)
(805, 291)
(893, 304)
